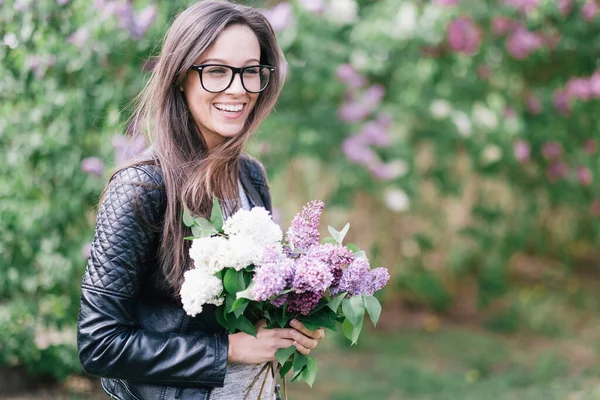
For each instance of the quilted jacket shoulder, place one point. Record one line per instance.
(133, 204)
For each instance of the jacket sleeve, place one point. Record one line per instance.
(110, 341)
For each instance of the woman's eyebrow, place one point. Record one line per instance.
(221, 61)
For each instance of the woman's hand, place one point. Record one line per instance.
(247, 349)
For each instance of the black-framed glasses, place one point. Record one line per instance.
(217, 78)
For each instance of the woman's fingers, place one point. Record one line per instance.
(316, 334)
(302, 349)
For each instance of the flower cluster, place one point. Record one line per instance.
(301, 278)
(245, 237)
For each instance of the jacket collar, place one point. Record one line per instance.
(251, 192)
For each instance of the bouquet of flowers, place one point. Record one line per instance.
(248, 269)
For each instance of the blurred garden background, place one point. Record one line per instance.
(458, 137)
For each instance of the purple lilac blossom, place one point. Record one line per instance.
(446, 3)
(335, 256)
(564, 6)
(347, 74)
(464, 36)
(584, 176)
(311, 275)
(525, 6)
(357, 151)
(62, 2)
(142, 22)
(522, 151)
(303, 303)
(79, 38)
(522, 43)
(552, 150)
(376, 134)
(304, 229)
(533, 105)
(384, 120)
(92, 166)
(595, 84)
(579, 88)
(561, 102)
(313, 6)
(280, 301)
(557, 170)
(375, 281)
(126, 149)
(589, 10)
(383, 171)
(280, 16)
(353, 111)
(353, 278)
(273, 275)
(590, 146)
(503, 25)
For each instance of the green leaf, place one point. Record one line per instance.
(233, 281)
(373, 308)
(203, 228)
(244, 325)
(188, 220)
(350, 331)
(239, 306)
(339, 236)
(216, 215)
(310, 372)
(300, 361)
(219, 313)
(329, 240)
(283, 355)
(334, 303)
(297, 374)
(286, 368)
(229, 300)
(353, 309)
(324, 318)
(352, 247)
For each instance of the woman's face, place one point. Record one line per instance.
(222, 115)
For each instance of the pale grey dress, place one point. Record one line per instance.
(239, 376)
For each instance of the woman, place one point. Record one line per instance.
(215, 81)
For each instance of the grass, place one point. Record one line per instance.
(453, 363)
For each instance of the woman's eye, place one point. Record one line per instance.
(251, 71)
(216, 71)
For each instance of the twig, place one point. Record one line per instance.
(262, 387)
(249, 388)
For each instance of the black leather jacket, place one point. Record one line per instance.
(130, 331)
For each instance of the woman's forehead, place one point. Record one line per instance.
(236, 44)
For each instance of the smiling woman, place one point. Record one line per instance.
(217, 97)
(216, 80)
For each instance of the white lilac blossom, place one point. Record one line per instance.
(255, 225)
(240, 252)
(273, 275)
(200, 288)
(206, 253)
(304, 230)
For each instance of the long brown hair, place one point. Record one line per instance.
(192, 174)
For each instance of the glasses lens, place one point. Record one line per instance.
(256, 79)
(216, 79)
